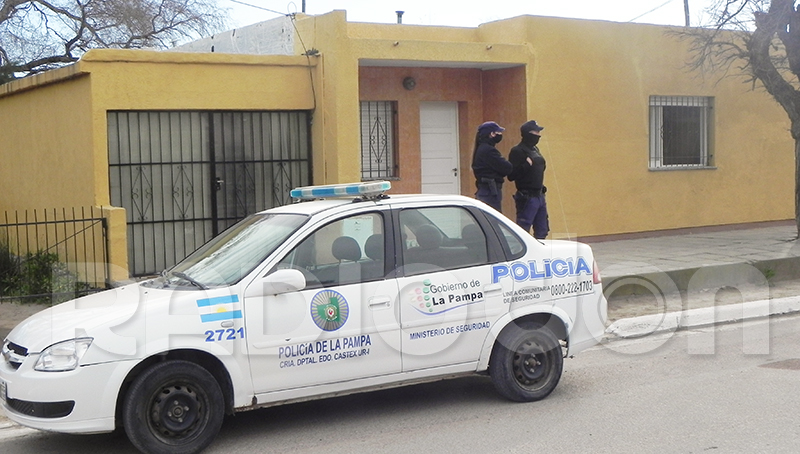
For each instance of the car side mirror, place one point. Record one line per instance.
(281, 281)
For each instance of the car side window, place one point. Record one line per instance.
(513, 246)
(346, 251)
(441, 238)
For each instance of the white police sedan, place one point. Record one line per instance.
(347, 291)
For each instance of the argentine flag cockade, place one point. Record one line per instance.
(220, 308)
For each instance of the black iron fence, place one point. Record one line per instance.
(53, 254)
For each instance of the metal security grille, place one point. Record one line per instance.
(378, 140)
(679, 131)
(183, 177)
(63, 250)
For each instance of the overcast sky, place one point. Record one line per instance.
(471, 13)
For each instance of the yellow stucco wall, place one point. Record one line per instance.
(54, 145)
(46, 133)
(148, 80)
(335, 131)
(587, 82)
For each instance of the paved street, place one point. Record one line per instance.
(688, 392)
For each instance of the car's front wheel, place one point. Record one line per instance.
(526, 362)
(173, 407)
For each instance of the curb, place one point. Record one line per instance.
(704, 277)
(646, 325)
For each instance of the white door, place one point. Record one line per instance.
(447, 298)
(438, 127)
(342, 327)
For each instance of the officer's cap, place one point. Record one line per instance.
(530, 126)
(489, 127)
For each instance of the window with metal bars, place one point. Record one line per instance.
(679, 131)
(378, 140)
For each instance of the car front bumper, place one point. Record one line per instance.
(78, 401)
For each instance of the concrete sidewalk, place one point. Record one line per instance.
(680, 254)
(696, 277)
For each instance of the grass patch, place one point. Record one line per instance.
(36, 277)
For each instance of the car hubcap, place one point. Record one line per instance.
(529, 363)
(175, 411)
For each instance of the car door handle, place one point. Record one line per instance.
(492, 288)
(380, 302)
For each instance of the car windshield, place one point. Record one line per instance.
(227, 258)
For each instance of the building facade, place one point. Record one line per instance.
(180, 144)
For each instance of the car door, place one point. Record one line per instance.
(447, 298)
(342, 326)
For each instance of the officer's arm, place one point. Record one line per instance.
(515, 158)
(499, 164)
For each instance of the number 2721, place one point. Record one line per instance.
(224, 334)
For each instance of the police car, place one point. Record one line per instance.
(347, 290)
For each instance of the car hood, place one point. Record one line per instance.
(90, 316)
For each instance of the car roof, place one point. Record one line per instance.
(312, 207)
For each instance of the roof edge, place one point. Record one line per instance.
(53, 76)
(157, 56)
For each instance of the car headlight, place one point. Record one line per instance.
(63, 356)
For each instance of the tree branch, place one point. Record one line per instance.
(53, 32)
(41, 64)
(768, 26)
(10, 7)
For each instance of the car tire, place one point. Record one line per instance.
(526, 362)
(173, 407)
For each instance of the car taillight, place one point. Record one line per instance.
(596, 273)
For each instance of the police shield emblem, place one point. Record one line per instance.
(329, 310)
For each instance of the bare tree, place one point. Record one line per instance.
(37, 35)
(760, 40)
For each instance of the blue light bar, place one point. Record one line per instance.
(370, 189)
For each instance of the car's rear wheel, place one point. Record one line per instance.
(173, 407)
(526, 362)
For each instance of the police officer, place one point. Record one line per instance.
(528, 175)
(488, 165)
